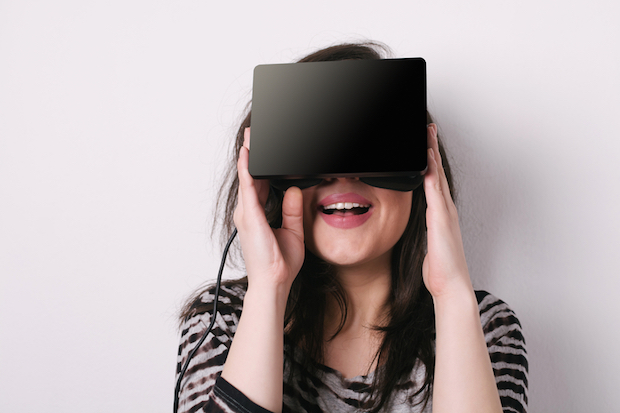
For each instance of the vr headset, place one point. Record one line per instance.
(349, 118)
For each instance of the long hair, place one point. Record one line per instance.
(409, 331)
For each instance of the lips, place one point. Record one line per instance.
(345, 211)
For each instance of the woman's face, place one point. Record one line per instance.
(347, 222)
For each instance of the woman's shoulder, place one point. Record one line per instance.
(230, 294)
(200, 307)
(504, 338)
(495, 314)
(201, 357)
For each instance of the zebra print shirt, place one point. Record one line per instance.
(203, 390)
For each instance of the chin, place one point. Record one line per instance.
(342, 261)
(345, 255)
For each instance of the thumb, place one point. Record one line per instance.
(293, 211)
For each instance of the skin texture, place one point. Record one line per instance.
(361, 256)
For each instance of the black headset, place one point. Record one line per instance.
(397, 183)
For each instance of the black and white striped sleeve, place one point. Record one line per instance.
(202, 388)
(506, 345)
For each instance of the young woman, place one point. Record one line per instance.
(357, 298)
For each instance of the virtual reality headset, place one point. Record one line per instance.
(350, 118)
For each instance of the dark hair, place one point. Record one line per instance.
(409, 334)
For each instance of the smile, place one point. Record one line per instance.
(345, 211)
(346, 208)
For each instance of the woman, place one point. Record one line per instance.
(370, 309)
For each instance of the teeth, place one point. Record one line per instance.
(345, 205)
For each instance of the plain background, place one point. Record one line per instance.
(115, 117)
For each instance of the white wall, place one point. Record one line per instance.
(113, 118)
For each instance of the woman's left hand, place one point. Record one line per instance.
(444, 269)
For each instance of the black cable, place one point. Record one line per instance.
(216, 294)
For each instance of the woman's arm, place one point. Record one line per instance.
(273, 258)
(255, 360)
(464, 380)
(202, 389)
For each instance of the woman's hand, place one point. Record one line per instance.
(273, 257)
(444, 269)
(464, 380)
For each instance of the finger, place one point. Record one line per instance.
(248, 195)
(245, 179)
(261, 185)
(432, 140)
(432, 185)
(239, 191)
(292, 211)
(432, 180)
(246, 138)
(262, 189)
(441, 173)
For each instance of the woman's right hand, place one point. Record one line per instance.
(273, 257)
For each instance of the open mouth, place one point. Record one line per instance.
(344, 208)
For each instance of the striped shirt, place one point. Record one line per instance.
(203, 390)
